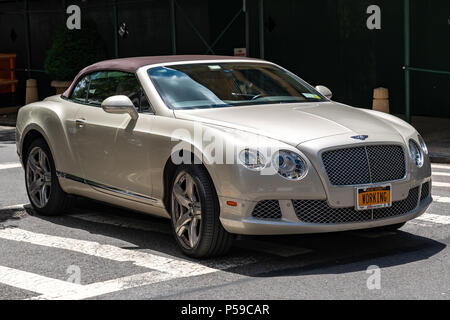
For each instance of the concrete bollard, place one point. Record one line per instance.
(381, 100)
(31, 94)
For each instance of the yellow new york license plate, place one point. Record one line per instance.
(373, 197)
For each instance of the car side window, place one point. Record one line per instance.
(100, 88)
(144, 105)
(79, 93)
(105, 84)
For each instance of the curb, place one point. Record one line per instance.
(7, 122)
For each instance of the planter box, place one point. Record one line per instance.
(8, 80)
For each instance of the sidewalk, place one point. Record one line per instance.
(8, 116)
(435, 132)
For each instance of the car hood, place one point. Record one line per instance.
(294, 123)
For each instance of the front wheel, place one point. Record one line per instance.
(195, 214)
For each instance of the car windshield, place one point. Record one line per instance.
(213, 85)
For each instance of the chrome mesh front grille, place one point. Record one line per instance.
(399, 207)
(364, 164)
(347, 166)
(318, 211)
(267, 209)
(425, 191)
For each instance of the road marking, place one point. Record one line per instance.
(55, 289)
(125, 222)
(175, 267)
(441, 199)
(109, 286)
(34, 282)
(441, 184)
(281, 250)
(438, 173)
(440, 166)
(5, 166)
(165, 269)
(15, 207)
(435, 218)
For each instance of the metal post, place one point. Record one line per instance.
(247, 27)
(173, 27)
(116, 35)
(261, 29)
(407, 60)
(64, 6)
(27, 37)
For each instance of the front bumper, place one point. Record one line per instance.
(247, 189)
(239, 220)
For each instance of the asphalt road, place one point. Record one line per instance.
(100, 252)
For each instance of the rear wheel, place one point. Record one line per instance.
(44, 191)
(195, 214)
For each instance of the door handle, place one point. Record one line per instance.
(80, 122)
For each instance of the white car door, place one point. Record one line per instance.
(110, 147)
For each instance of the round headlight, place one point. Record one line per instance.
(290, 165)
(422, 144)
(252, 159)
(416, 153)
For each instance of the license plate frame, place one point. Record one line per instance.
(378, 193)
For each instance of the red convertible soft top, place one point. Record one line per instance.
(132, 64)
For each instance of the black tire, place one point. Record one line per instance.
(58, 201)
(214, 240)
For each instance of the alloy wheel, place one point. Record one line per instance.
(38, 177)
(187, 210)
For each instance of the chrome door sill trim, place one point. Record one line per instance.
(104, 187)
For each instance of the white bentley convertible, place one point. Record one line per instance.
(221, 146)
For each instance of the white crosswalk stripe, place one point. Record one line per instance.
(14, 207)
(124, 222)
(282, 250)
(443, 174)
(441, 199)
(435, 218)
(440, 166)
(100, 288)
(176, 268)
(5, 166)
(34, 282)
(441, 184)
(163, 268)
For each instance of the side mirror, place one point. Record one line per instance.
(324, 91)
(120, 104)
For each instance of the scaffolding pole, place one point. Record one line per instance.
(173, 27)
(27, 37)
(407, 53)
(115, 26)
(261, 28)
